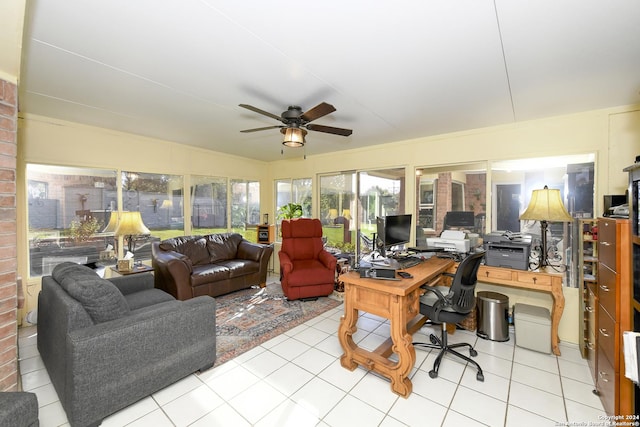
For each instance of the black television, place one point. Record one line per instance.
(393, 230)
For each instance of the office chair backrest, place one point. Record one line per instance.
(462, 292)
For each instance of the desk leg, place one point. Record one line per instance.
(402, 346)
(556, 314)
(345, 332)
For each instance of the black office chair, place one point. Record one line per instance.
(443, 304)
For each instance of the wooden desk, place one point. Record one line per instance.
(532, 280)
(398, 301)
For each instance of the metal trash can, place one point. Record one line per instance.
(493, 316)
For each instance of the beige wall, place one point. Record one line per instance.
(12, 13)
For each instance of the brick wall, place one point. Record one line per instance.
(8, 263)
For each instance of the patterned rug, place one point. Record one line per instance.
(247, 318)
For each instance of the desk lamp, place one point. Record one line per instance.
(129, 226)
(546, 206)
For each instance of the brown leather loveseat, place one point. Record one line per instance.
(213, 264)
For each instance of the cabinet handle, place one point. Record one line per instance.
(604, 288)
(602, 375)
(605, 243)
(590, 345)
(589, 309)
(604, 332)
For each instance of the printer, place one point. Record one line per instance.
(507, 249)
(450, 240)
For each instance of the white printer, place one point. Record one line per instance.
(451, 240)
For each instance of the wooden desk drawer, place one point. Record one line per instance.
(607, 289)
(607, 336)
(533, 278)
(607, 242)
(494, 273)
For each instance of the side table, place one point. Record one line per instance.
(136, 269)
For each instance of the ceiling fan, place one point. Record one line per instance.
(296, 123)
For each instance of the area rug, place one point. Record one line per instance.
(247, 318)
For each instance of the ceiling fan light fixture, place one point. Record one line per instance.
(293, 137)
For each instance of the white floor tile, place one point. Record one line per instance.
(289, 378)
(264, 364)
(46, 394)
(177, 389)
(331, 345)
(311, 336)
(223, 415)
(52, 415)
(577, 391)
(418, 411)
(575, 370)
(35, 379)
(257, 401)
(375, 390)
(290, 348)
(131, 413)
(454, 419)
(479, 406)
(517, 417)
(493, 385)
(232, 382)
(545, 362)
(539, 402)
(192, 406)
(578, 414)
(438, 389)
(288, 414)
(155, 418)
(314, 360)
(318, 397)
(341, 377)
(537, 378)
(351, 411)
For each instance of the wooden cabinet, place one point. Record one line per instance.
(265, 234)
(613, 299)
(586, 271)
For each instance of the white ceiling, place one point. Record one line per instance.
(177, 70)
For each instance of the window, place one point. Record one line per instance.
(245, 208)
(209, 205)
(68, 209)
(293, 191)
(158, 198)
(349, 221)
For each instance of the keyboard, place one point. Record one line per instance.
(408, 262)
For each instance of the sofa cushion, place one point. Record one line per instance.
(223, 246)
(204, 274)
(197, 251)
(99, 297)
(177, 243)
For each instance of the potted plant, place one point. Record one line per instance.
(290, 211)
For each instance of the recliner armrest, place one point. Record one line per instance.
(327, 259)
(285, 262)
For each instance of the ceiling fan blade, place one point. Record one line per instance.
(318, 111)
(330, 129)
(257, 129)
(259, 111)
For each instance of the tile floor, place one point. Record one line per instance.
(296, 380)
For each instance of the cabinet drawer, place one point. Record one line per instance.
(494, 273)
(533, 278)
(606, 384)
(607, 289)
(607, 242)
(606, 336)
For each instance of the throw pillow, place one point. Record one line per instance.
(101, 298)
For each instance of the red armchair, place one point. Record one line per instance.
(306, 269)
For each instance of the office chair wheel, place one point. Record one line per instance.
(473, 352)
(479, 376)
(433, 374)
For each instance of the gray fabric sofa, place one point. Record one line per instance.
(18, 409)
(108, 343)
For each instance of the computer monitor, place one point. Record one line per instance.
(393, 230)
(459, 219)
